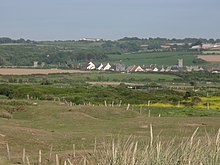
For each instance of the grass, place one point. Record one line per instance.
(126, 77)
(94, 76)
(52, 123)
(130, 151)
(147, 58)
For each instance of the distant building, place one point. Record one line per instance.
(35, 64)
(107, 67)
(91, 39)
(134, 68)
(194, 68)
(118, 67)
(90, 66)
(43, 64)
(196, 47)
(180, 63)
(174, 68)
(100, 67)
(162, 69)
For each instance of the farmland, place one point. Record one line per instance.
(148, 58)
(28, 71)
(210, 58)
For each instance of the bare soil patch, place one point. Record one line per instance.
(15, 71)
(111, 83)
(195, 124)
(210, 58)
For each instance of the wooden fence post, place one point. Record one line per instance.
(140, 110)
(74, 151)
(51, 150)
(178, 104)
(148, 103)
(128, 106)
(23, 155)
(8, 152)
(149, 113)
(120, 103)
(208, 105)
(84, 161)
(95, 146)
(39, 158)
(57, 160)
(113, 103)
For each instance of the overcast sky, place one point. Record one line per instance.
(109, 19)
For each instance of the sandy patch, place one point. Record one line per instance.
(210, 58)
(15, 71)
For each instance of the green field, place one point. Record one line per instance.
(148, 58)
(143, 78)
(124, 77)
(42, 124)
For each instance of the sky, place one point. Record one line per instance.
(109, 19)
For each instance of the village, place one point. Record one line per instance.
(119, 67)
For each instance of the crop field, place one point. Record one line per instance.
(148, 58)
(210, 58)
(16, 71)
(37, 125)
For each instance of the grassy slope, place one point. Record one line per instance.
(54, 123)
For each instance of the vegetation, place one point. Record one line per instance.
(96, 117)
(97, 130)
(166, 58)
(65, 53)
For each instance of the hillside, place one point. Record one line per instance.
(160, 51)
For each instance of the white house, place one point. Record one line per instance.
(155, 69)
(107, 67)
(100, 66)
(90, 66)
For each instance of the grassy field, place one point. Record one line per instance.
(126, 77)
(147, 58)
(91, 77)
(40, 124)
